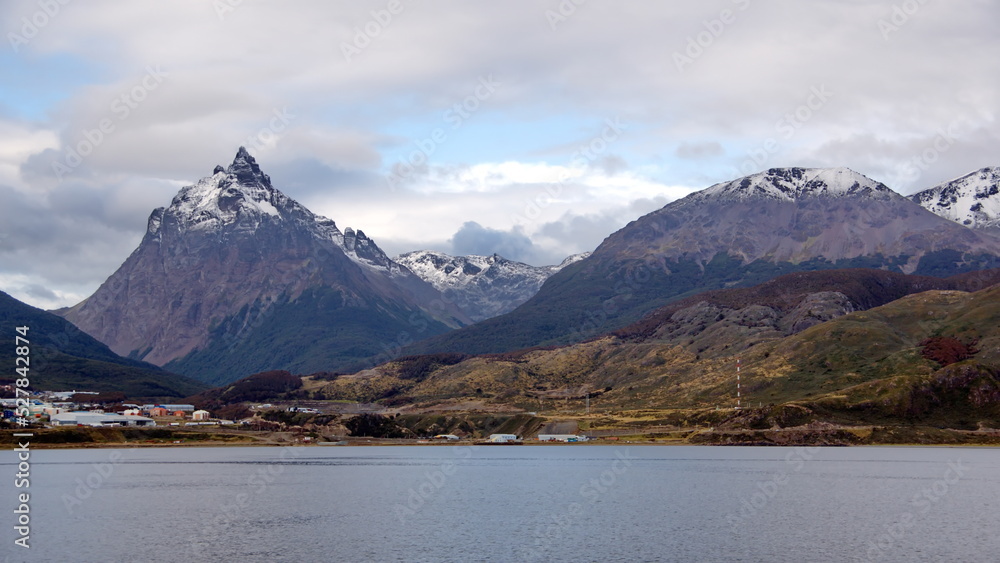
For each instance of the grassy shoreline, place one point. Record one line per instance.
(90, 438)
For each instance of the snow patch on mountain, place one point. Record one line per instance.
(793, 184)
(571, 259)
(972, 200)
(482, 286)
(242, 198)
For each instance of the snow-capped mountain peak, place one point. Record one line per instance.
(972, 200)
(231, 250)
(238, 194)
(241, 199)
(792, 184)
(246, 171)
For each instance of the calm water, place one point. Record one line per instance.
(549, 503)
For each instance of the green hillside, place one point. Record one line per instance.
(65, 358)
(930, 357)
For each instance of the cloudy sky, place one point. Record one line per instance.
(529, 128)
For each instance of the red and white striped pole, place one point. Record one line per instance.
(737, 384)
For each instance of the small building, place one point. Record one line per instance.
(502, 438)
(179, 414)
(157, 411)
(446, 437)
(98, 419)
(200, 415)
(36, 409)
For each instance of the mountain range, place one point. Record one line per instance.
(736, 233)
(234, 277)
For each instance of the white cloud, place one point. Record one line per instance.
(515, 198)
(225, 77)
(17, 143)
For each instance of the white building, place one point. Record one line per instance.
(83, 418)
(502, 438)
(200, 415)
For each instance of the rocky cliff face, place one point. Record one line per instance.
(231, 254)
(726, 321)
(482, 286)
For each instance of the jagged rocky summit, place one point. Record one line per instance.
(235, 277)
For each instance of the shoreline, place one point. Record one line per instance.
(132, 445)
(107, 438)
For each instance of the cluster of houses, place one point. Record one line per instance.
(513, 438)
(131, 415)
(178, 411)
(53, 407)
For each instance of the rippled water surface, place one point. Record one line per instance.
(528, 503)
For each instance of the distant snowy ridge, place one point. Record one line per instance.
(482, 286)
(972, 200)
